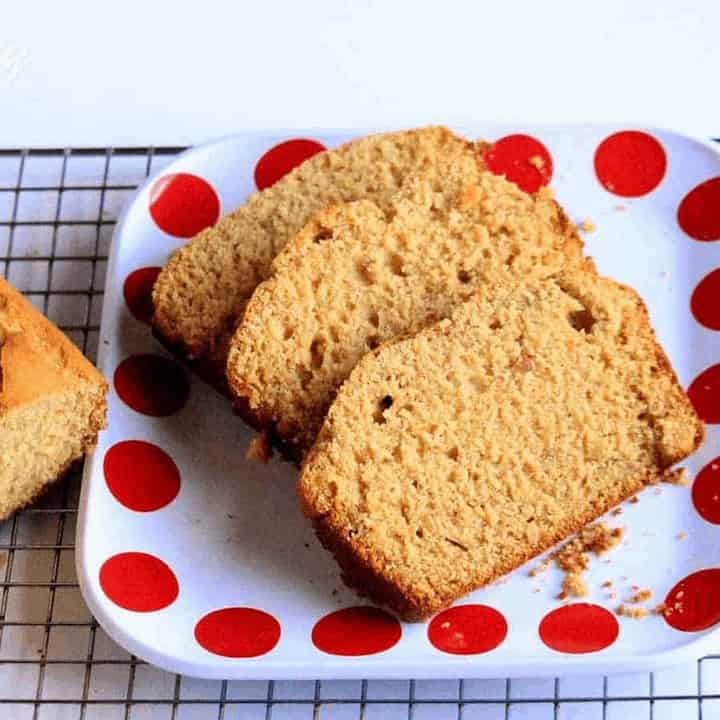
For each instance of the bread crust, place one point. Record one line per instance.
(36, 357)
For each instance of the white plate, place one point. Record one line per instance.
(234, 536)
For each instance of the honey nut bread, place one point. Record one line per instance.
(52, 402)
(202, 291)
(452, 457)
(359, 274)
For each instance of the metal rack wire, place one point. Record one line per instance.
(57, 211)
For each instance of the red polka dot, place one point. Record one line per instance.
(138, 581)
(137, 291)
(356, 631)
(694, 603)
(706, 492)
(141, 476)
(705, 301)
(522, 159)
(699, 212)
(704, 393)
(280, 160)
(630, 163)
(182, 204)
(151, 385)
(467, 629)
(579, 628)
(238, 632)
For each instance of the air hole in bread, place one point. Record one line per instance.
(288, 332)
(374, 319)
(304, 375)
(317, 352)
(396, 265)
(373, 341)
(419, 532)
(322, 234)
(365, 272)
(495, 324)
(453, 453)
(463, 276)
(385, 403)
(457, 544)
(582, 320)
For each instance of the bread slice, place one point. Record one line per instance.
(202, 291)
(359, 274)
(52, 402)
(452, 457)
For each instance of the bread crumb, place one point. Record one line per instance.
(537, 162)
(634, 499)
(682, 536)
(573, 557)
(541, 568)
(640, 596)
(574, 585)
(678, 476)
(660, 609)
(636, 613)
(607, 584)
(621, 208)
(617, 511)
(259, 449)
(588, 226)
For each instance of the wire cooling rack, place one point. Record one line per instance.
(58, 208)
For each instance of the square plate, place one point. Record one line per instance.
(227, 562)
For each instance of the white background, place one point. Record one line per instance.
(97, 73)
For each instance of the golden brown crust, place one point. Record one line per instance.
(36, 358)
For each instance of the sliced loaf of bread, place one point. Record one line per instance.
(202, 291)
(52, 402)
(359, 274)
(452, 457)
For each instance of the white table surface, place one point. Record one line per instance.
(136, 72)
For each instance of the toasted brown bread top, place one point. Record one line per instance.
(36, 358)
(449, 458)
(203, 290)
(359, 274)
